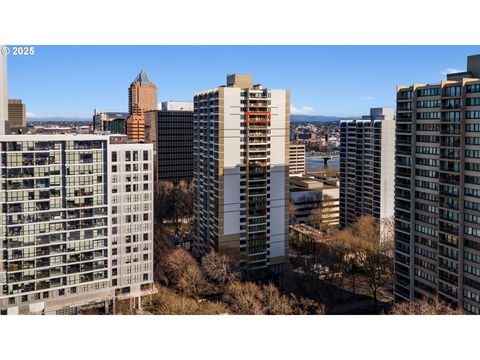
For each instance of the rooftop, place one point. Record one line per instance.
(142, 79)
(313, 183)
(312, 233)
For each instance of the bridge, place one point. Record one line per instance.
(325, 155)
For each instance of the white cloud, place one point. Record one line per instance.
(30, 115)
(364, 98)
(451, 71)
(305, 110)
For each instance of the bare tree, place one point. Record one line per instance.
(387, 229)
(125, 307)
(213, 308)
(163, 201)
(378, 268)
(349, 249)
(292, 212)
(367, 229)
(244, 298)
(276, 303)
(315, 219)
(423, 307)
(318, 217)
(219, 270)
(305, 306)
(183, 205)
(184, 274)
(162, 246)
(166, 301)
(372, 256)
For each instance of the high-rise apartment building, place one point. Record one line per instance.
(437, 190)
(241, 143)
(76, 222)
(132, 179)
(3, 94)
(297, 159)
(367, 166)
(171, 132)
(142, 97)
(17, 114)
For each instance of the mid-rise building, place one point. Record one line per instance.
(142, 97)
(297, 159)
(367, 166)
(17, 114)
(171, 132)
(74, 233)
(241, 142)
(437, 190)
(310, 193)
(113, 122)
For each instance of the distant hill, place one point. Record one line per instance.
(58, 119)
(320, 118)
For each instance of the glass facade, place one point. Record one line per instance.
(54, 216)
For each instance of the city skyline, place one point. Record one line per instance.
(81, 78)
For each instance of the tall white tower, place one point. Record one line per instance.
(3, 93)
(241, 154)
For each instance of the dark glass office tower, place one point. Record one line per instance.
(171, 132)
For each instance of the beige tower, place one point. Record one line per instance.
(437, 190)
(241, 147)
(17, 114)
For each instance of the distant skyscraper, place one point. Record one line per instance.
(17, 114)
(241, 146)
(76, 222)
(437, 190)
(171, 132)
(297, 159)
(142, 97)
(3, 93)
(115, 122)
(367, 164)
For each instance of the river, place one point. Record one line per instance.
(317, 164)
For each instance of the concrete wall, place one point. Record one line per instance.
(388, 168)
(231, 161)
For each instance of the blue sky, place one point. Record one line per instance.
(70, 81)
